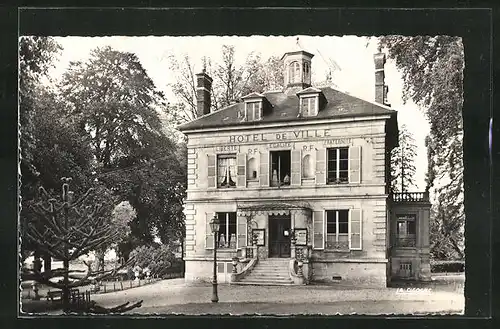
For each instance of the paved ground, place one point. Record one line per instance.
(174, 296)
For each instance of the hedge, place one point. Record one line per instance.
(444, 266)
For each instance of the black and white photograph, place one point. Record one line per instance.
(263, 174)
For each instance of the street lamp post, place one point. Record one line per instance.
(214, 225)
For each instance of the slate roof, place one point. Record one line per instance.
(285, 108)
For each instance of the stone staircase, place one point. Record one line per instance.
(268, 272)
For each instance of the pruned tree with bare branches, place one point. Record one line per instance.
(66, 228)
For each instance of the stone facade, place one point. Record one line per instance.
(346, 224)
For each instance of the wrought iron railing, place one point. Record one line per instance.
(405, 241)
(410, 197)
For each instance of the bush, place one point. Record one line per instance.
(445, 266)
(158, 260)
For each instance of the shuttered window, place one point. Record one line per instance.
(337, 229)
(343, 165)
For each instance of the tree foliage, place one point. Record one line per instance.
(156, 258)
(432, 72)
(403, 162)
(36, 55)
(230, 80)
(116, 105)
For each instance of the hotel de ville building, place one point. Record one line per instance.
(299, 180)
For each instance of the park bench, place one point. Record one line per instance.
(57, 294)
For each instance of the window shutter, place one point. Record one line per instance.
(296, 168)
(355, 164)
(212, 173)
(318, 230)
(241, 162)
(209, 236)
(321, 166)
(355, 229)
(241, 231)
(264, 169)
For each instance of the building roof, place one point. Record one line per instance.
(285, 108)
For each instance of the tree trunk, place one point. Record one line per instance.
(65, 290)
(37, 264)
(47, 264)
(99, 257)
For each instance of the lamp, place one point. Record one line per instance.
(214, 226)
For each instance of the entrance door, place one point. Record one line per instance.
(279, 236)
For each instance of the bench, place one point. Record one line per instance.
(57, 294)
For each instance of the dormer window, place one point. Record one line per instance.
(310, 100)
(309, 106)
(253, 110)
(255, 106)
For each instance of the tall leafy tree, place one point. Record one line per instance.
(432, 72)
(403, 162)
(36, 56)
(113, 102)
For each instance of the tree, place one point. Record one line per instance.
(113, 102)
(230, 81)
(121, 216)
(403, 162)
(36, 55)
(432, 72)
(69, 228)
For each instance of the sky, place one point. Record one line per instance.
(353, 55)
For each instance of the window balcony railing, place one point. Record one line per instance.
(405, 241)
(410, 197)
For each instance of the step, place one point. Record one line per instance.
(262, 283)
(267, 277)
(258, 278)
(268, 270)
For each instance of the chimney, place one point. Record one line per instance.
(380, 87)
(203, 99)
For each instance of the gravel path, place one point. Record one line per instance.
(174, 296)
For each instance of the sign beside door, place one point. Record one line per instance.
(260, 235)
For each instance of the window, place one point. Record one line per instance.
(226, 170)
(307, 167)
(280, 168)
(307, 72)
(227, 232)
(294, 72)
(337, 229)
(406, 230)
(338, 165)
(308, 106)
(253, 111)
